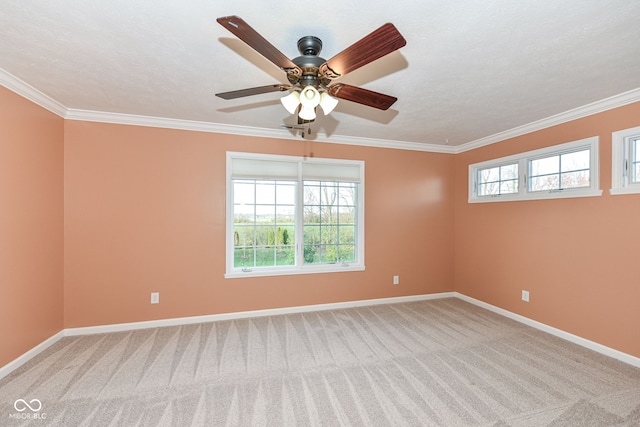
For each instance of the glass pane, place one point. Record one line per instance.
(243, 192)
(328, 215)
(489, 175)
(311, 254)
(265, 235)
(347, 234)
(286, 194)
(507, 187)
(347, 253)
(285, 255)
(265, 192)
(509, 172)
(311, 234)
(265, 257)
(329, 234)
(636, 174)
(329, 195)
(489, 189)
(547, 165)
(311, 193)
(542, 183)
(347, 215)
(243, 213)
(243, 235)
(328, 254)
(265, 214)
(347, 195)
(575, 161)
(243, 258)
(312, 215)
(285, 214)
(575, 179)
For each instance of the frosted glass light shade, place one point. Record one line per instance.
(291, 102)
(309, 97)
(307, 113)
(327, 102)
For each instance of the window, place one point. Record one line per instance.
(289, 215)
(565, 170)
(560, 171)
(625, 169)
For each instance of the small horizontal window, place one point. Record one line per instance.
(565, 170)
(625, 167)
(560, 171)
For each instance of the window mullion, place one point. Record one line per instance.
(626, 164)
(523, 165)
(299, 219)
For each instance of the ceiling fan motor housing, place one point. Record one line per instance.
(309, 61)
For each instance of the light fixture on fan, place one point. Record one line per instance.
(309, 98)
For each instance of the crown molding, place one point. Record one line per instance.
(27, 91)
(160, 122)
(577, 113)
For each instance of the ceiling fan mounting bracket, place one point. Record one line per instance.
(309, 46)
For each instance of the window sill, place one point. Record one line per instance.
(624, 190)
(332, 268)
(539, 195)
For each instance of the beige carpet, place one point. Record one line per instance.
(432, 363)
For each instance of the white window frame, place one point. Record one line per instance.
(523, 159)
(620, 160)
(301, 267)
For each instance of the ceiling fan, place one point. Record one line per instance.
(310, 76)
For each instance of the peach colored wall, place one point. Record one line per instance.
(31, 224)
(144, 212)
(577, 257)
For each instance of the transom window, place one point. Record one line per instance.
(289, 215)
(625, 168)
(560, 171)
(565, 170)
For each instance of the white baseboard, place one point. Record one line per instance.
(591, 345)
(21, 360)
(246, 314)
(120, 327)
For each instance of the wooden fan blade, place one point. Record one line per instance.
(252, 91)
(244, 32)
(379, 43)
(361, 96)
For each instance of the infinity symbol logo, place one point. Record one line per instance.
(22, 405)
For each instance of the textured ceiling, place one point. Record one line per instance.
(470, 69)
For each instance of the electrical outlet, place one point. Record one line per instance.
(396, 280)
(155, 297)
(525, 296)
